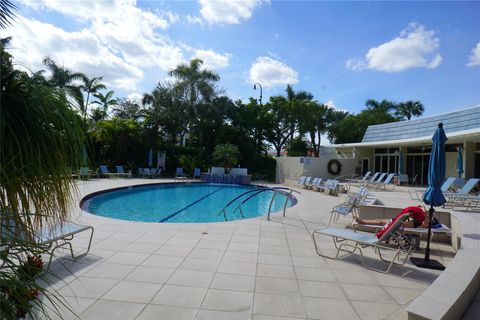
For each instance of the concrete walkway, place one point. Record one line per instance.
(249, 269)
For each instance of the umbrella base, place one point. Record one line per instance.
(430, 264)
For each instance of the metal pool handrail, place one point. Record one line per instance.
(256, 191)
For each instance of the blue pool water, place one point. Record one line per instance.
(197, 202)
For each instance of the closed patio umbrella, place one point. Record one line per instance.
(434, 196)
(400, 163)
(460, 162)
(150, 158)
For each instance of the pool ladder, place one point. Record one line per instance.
(254, 193)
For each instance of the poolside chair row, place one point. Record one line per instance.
(448, 185)
(377, 181)
(149, 172)
(180, 175)
(104, 172)
(330, 186)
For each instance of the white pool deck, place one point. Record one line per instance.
(249, 269)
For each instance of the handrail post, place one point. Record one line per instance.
(271, 203)
(286, 202)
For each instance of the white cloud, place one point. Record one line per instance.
(227, 11)
(213, 60)
(330, 104)
(116, 40)
(474, 58)
(135, 97)
(271, 73)
(415, 47)
(81, 51)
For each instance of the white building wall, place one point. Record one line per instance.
(291, 167)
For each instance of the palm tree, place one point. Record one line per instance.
(385, 105)
(6, 13)
(198, 86)
(90, 86)
(296, 100)
(65, 79)
(105, 101)
(409, 108)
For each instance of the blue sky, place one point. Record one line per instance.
(342, 52)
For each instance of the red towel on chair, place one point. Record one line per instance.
(415, 213)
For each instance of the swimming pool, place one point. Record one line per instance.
(180, 202)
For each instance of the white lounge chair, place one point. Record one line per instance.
(349, 241)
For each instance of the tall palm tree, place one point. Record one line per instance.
(199, 84)
(296, 101)
(65, 79)
(105, 101)
(409, 109)
(90, 86)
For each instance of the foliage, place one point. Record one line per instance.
(90, 86)
(65, 79)
(227, 154)
(352, 127)
(41, 142)
(298, 147)
(408, 109)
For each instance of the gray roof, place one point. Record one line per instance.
(461, 120)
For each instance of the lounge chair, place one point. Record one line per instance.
(105, 173)
(385, 184)
(179, 175)
(121, 172)
(349, 241)
(317, 185)
(196, 173)
(62, 235)
(307, 182)
(447, 184)
(372, 179)
(345, 208)
(324, 186)
(86, 173)
(312, 183)
(51, 238)
(372, 184)
(362, 179)
(301, 181)
(464, 191)
(467, 202)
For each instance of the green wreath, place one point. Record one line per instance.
(334, 167)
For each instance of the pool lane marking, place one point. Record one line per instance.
(191, 204)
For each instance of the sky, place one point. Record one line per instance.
(342, 52)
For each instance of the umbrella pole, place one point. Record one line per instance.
(426, 262)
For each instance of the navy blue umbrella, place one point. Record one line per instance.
(434, 196)
(460, 162)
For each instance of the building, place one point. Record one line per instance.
(405, 146)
